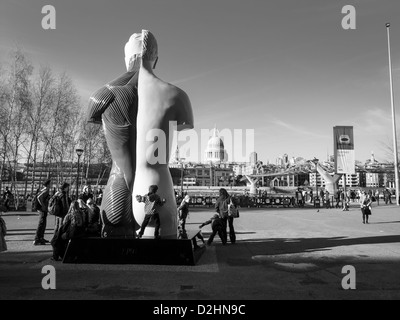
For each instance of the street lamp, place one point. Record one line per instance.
(315, 161)
(79, 152)
(396, 166)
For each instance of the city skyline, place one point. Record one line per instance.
(285, 69)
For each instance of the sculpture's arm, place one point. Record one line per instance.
(184, 112)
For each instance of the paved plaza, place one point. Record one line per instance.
(280, 254)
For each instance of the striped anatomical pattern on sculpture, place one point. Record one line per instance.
(115, 105)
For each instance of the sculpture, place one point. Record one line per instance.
(115, 106)
(133, 107)
(253, 185)
(160, 104)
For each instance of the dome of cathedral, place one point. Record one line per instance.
(215, 143)
(215, 148)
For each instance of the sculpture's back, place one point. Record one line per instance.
(160, 105)
(115, 106)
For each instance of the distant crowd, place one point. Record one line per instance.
(300, 197)
(81, 217)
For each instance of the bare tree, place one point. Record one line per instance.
(59, 130)
(387, 147)
(16, 102)
(42, 94)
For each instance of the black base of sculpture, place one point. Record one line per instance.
(165, 251)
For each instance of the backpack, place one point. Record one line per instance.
(55, 206)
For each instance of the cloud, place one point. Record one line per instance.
(206, 73)
(296, 129)
(375, 122)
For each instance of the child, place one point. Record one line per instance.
(3, 232)
(217, 226)
(152, 202)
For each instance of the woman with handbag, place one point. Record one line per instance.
(366, 207)
(221, 206)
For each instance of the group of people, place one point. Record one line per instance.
(226, 211)
(73, 218)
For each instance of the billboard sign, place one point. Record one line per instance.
(343, 147)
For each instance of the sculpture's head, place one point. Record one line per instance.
(149, 47)
(133, 51)
(141, 46)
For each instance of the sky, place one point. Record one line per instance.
(286, 69)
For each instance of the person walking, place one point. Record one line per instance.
(42, 208)
(152, 202)
(64, 201)
(7, 196)
(338, 197)
(366, 203)
(377, 194)
(388, 196)
(327, 200)
(321, 194)
(233, 212)
(221, 206)
(183, 212)
(345, 200)
(217, 226)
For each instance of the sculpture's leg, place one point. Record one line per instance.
(116, 209)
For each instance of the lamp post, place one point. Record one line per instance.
(396, 165)
(79, 152)
(315, 161)
(50, 158)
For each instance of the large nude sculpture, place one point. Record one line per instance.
(160, 104)
(115, 106)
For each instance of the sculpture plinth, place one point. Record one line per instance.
(165, 251)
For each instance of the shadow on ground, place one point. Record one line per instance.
(303, 250)
(272, 246)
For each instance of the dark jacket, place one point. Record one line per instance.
(43, 199)
(64, 200)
